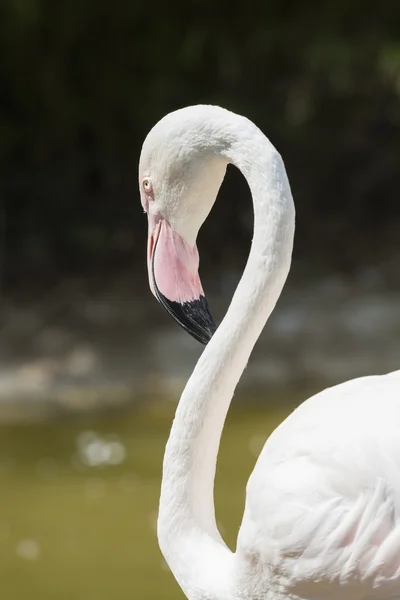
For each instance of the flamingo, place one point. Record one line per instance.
(322, 511)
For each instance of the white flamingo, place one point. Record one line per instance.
(322, 515)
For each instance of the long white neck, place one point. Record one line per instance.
(187, 531)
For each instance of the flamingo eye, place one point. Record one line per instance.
(147, 185)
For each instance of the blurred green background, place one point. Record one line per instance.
(82, 83)
(90, 366)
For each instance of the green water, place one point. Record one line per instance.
(75, 527)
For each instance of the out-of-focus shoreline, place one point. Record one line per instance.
(79, 351)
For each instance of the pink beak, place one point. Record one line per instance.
(174, 279)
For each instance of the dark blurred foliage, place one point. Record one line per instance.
(83, 81)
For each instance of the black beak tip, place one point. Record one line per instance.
(193, 316)
(207, 331)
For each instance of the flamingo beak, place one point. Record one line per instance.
(174, 280)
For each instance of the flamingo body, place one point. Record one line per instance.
(323, 502)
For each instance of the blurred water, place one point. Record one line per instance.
(78, 502)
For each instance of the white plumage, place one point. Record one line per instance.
(325, 493)
(322, 515)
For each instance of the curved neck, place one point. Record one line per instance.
(187, 531)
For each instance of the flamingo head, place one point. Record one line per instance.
(179, 177)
